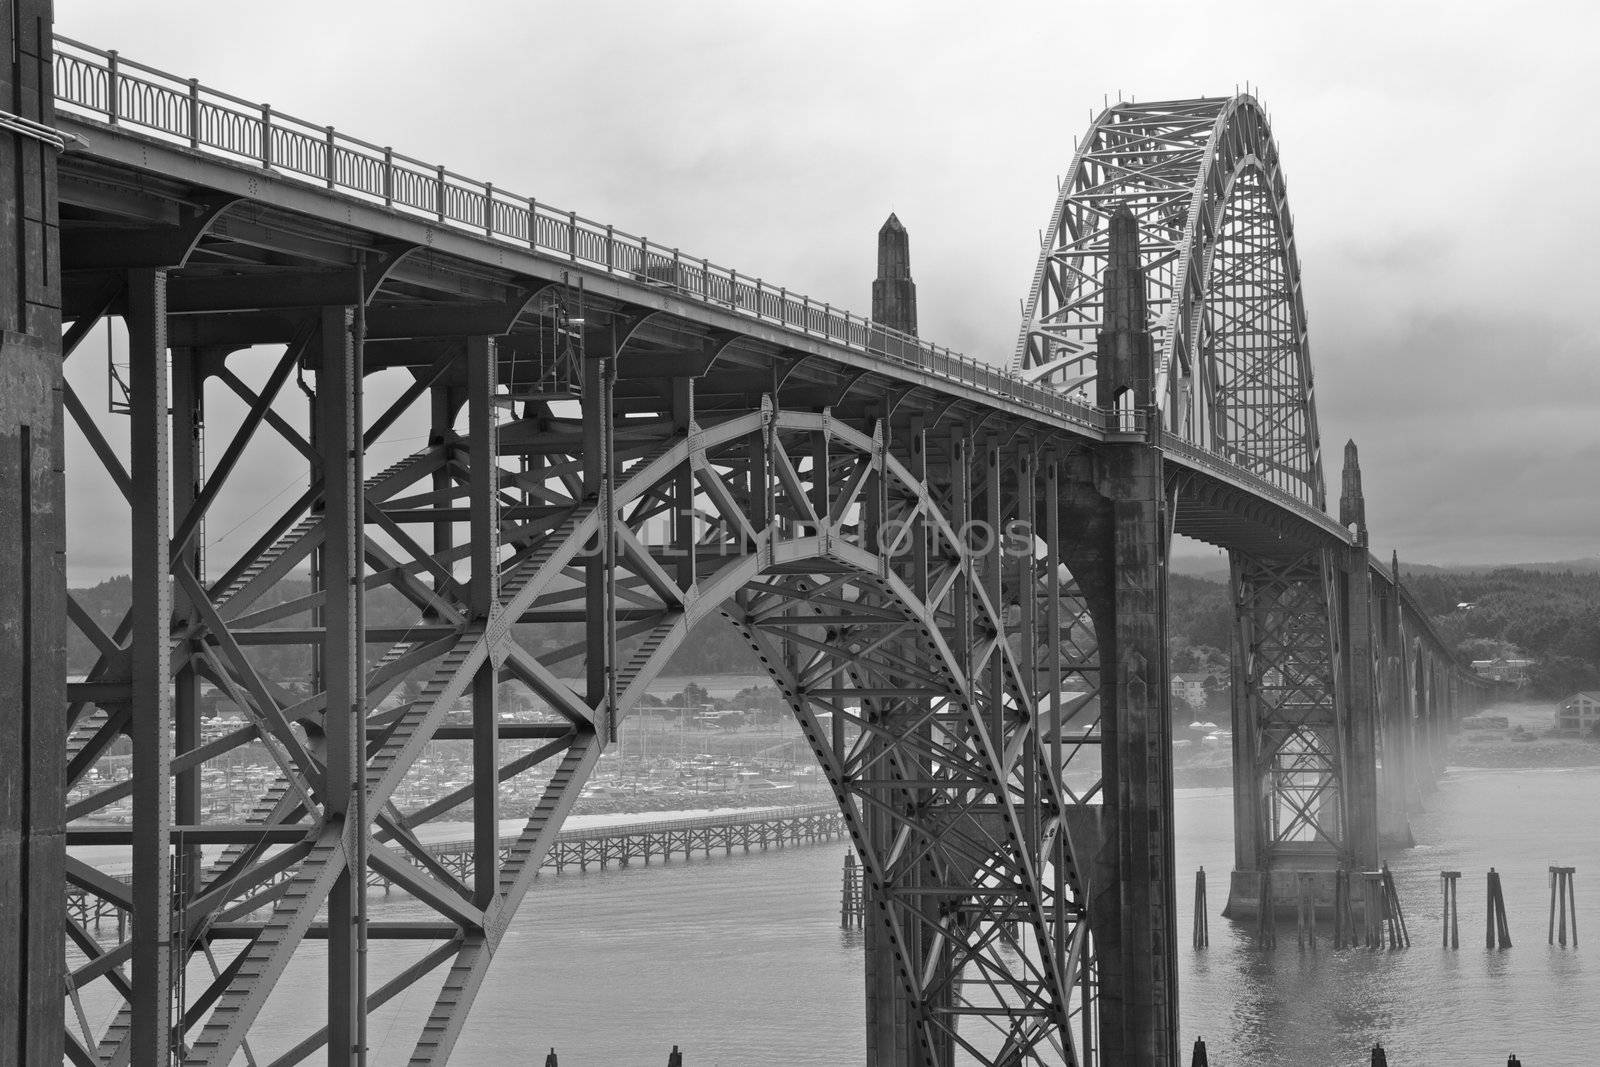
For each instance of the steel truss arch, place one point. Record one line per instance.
(1226, 314)
(937, 747)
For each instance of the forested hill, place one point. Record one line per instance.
(1548, 616)
(1551, 617)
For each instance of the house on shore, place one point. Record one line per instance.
(1579, 713)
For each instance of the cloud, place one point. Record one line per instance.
(1437, 156)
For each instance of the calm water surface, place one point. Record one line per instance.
(741, 962)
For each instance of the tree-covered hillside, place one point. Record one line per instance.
(1550, 617)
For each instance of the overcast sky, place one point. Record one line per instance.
(1441, 161)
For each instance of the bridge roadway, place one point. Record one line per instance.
(632, 440)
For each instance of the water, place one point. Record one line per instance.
(1289, 1008)
(740, 961)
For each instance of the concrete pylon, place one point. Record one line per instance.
(32, 574)
(1397, 796)
(1118, 560)
(894, 294)
(1359, 679)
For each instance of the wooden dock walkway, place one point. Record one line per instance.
(599, 846)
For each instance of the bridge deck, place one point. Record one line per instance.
(157, 144)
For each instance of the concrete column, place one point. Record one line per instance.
(1249, 818)
(1361, 714)
(1134, 896)
(32, 570)
(1394, 827)
(1136, 878)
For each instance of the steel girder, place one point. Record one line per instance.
(1233, 374)
(918, 668)
(1290, 734)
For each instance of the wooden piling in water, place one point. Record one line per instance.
(1374, 908)
(1266, 915)
(1202, 925)
(1306, 911)
(852, 910)
(1452, 910)
(1399, 935)
(1497, 934)
(1341, 893)
(1561, 891)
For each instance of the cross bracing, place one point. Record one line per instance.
(605, 443)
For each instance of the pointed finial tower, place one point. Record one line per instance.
(1352, 505)
(894, 294)
(1125, 359)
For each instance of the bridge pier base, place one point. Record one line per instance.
(1244, 893)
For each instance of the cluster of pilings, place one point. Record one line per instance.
(674, 1058)
(1380, 1058)
(852, 902)
(1497, 930)
(1380, 920)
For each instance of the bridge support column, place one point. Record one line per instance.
(1135, 875)
(151, 719)
(1360, 699)
(1397, 797)
(1293, 735)
(483, 505)
(338, 410)
(1120, 562)
(32, 579)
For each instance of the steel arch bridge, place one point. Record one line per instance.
(1226, 318)
(622, 440)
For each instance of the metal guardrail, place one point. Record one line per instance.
(105, 86)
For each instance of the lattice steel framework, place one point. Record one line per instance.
(940, 683)
(1226, 315)
(1289, 730)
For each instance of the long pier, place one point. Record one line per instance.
(620, 844)
(664, 838)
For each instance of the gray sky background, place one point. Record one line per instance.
(1441, 160)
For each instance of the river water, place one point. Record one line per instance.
(741, 962)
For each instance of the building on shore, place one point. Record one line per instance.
(1503, 669)
(1579, 713)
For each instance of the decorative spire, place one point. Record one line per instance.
(894, 294)
(1124, 356)
(1352, 504)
